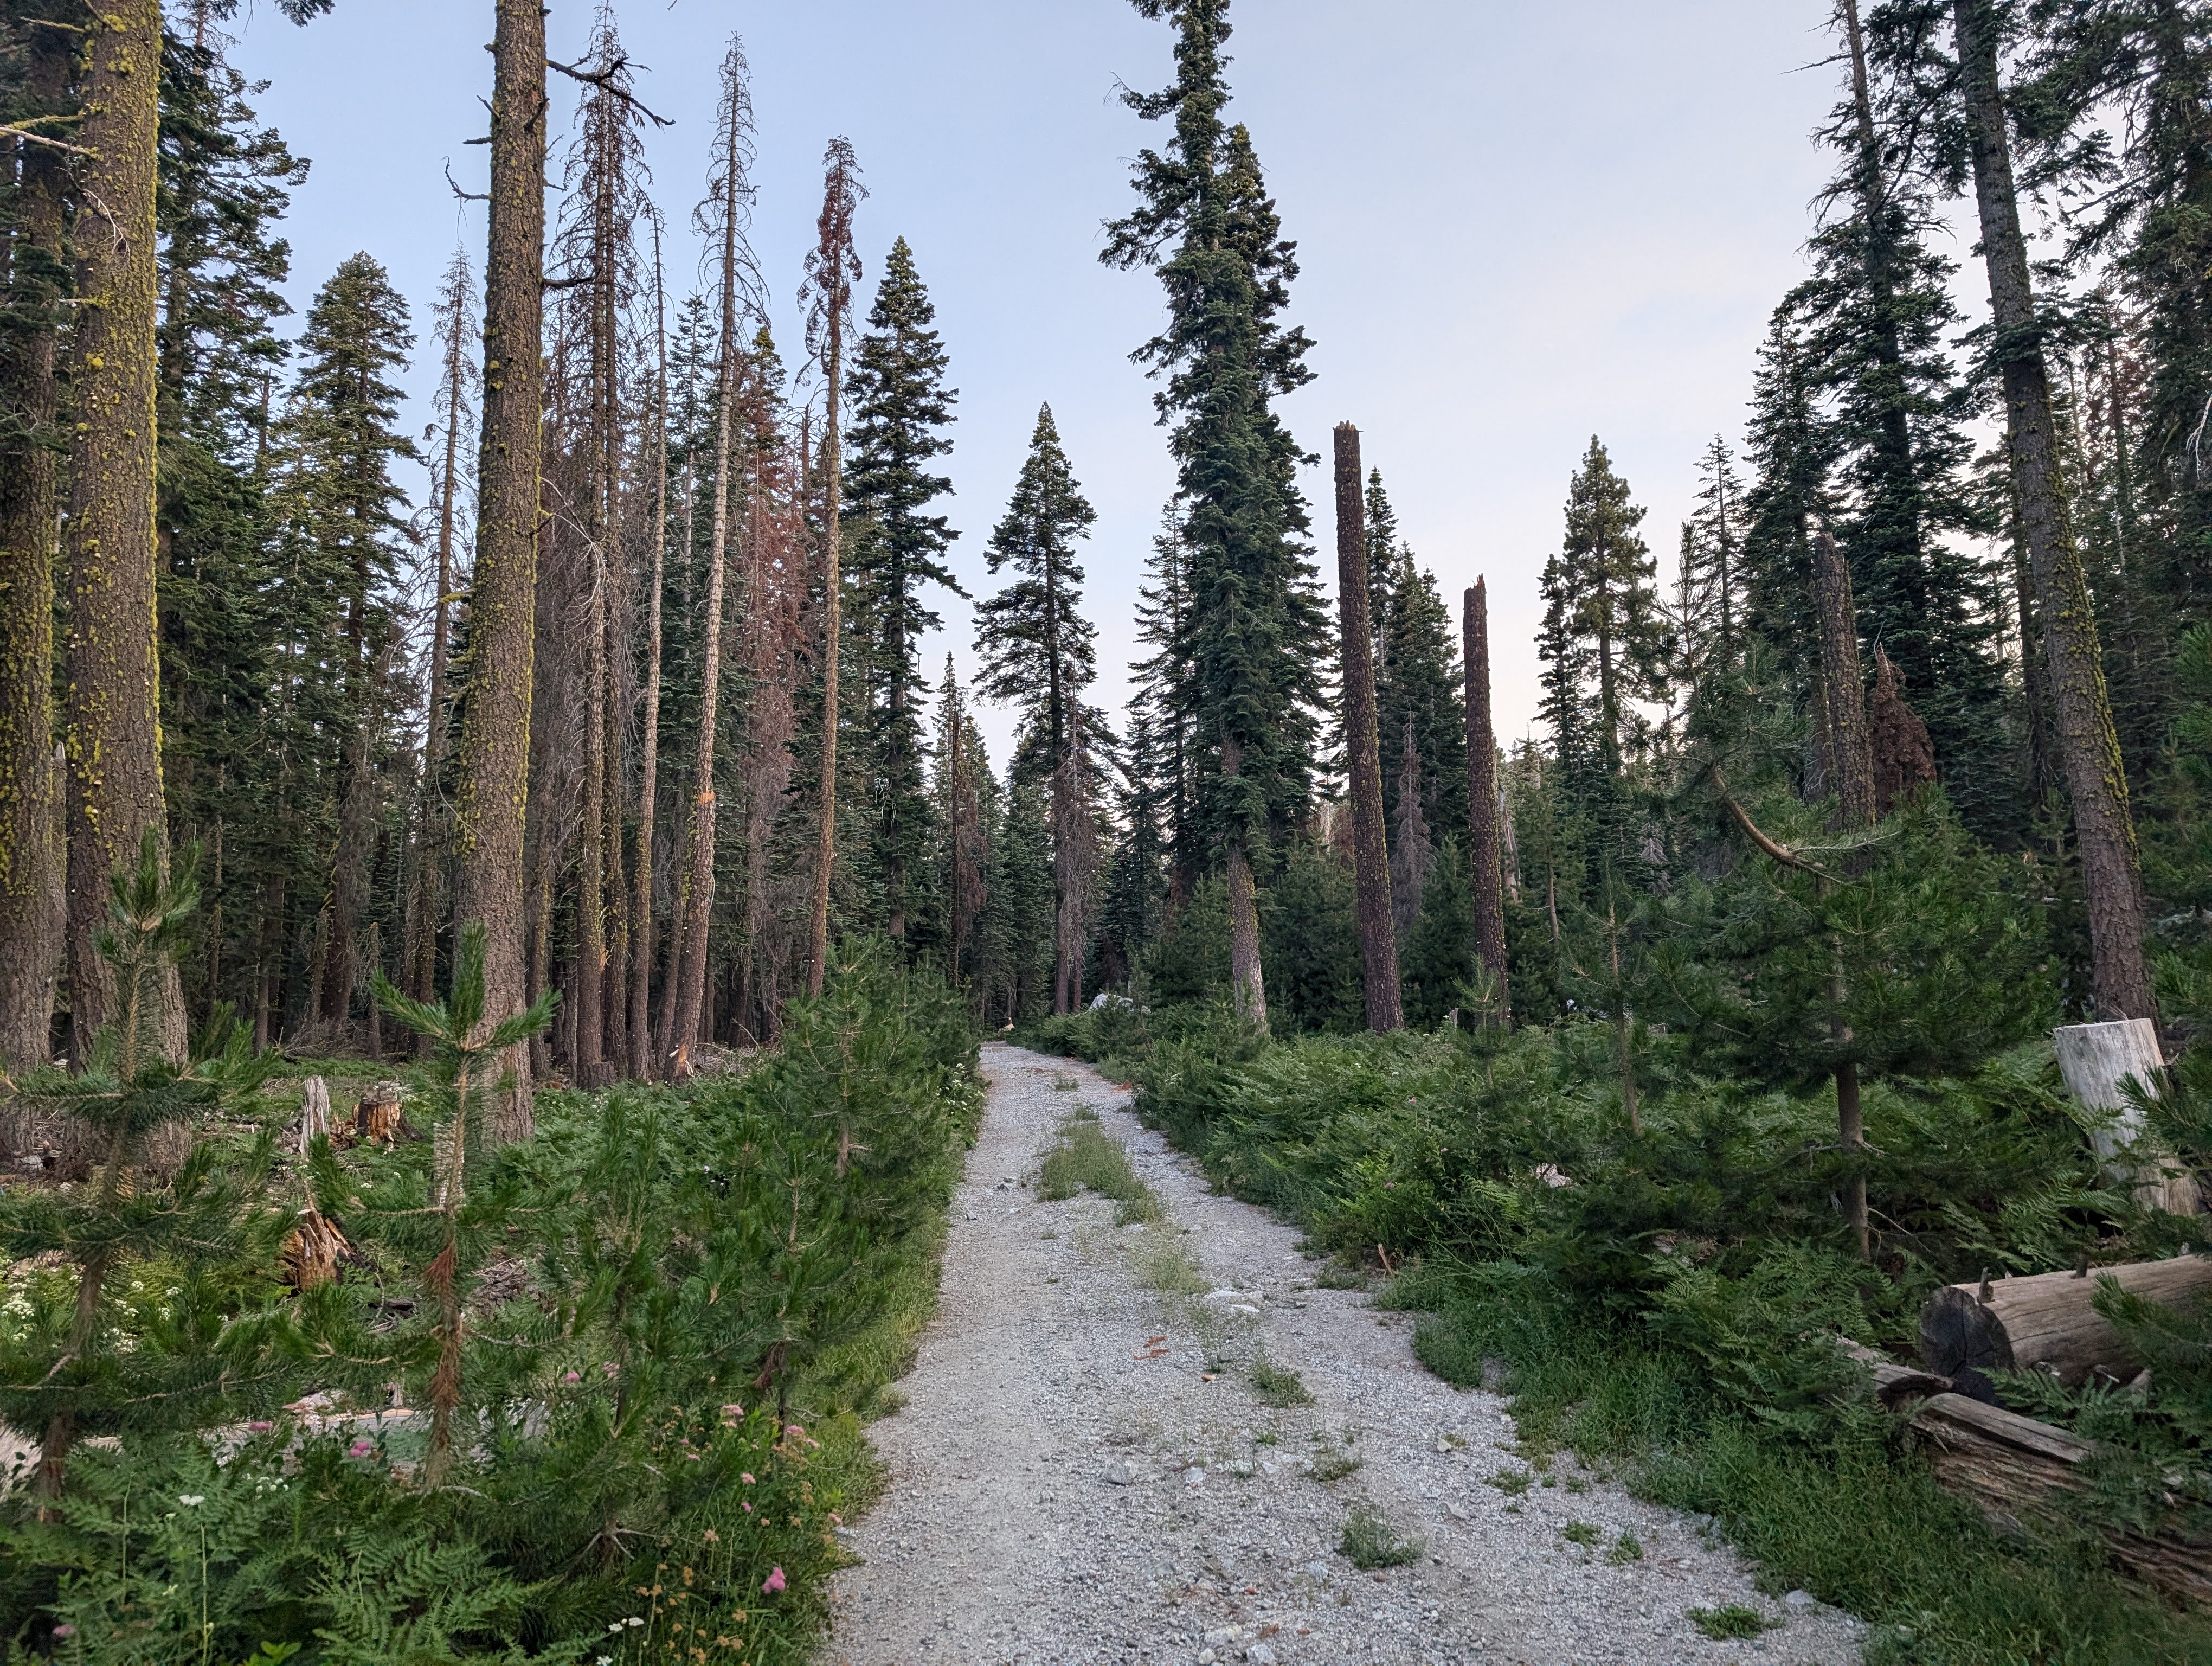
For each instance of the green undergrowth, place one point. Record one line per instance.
(680, 1308)
(1664, 1300)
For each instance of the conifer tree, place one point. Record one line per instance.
(1162, 694)
(1417, 673)
(1602, 627)
(900, 407)
(1037, 654)
(1879, 319)
(339, 444)
(1255, 636)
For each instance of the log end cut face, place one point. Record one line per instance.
(1958, 1332)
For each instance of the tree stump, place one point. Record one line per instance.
(378, 1119)
(314, 1112)
(2096, 1059)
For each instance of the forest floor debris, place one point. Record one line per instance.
(1083, 1472)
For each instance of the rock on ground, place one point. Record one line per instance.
(1085, 1471)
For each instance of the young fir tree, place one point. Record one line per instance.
(1037, 655)
(1419, 710)
(339, 445)
(1162, 683)
(1017, 919)
(901, 406)
(1710, 616)
(1604, 635)
(1133, 906)
(99, 1358)
(1255, 635)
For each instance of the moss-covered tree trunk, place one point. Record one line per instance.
(1485, 859)
(1371, 858)
(2088, 742)
(491, 789)
(30, 786)
(113, 661)
(1850, 756)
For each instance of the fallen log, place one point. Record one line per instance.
(2017, 1471)
(2046, 1322)
(1894, 1384)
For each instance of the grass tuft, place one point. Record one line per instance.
(1733, 1621)
(1279, 1385)
(1626, 1548)
(1335, 1466)
(1370, 1542)
(1512, 1482)
(1582, 1533)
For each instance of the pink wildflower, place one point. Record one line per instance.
(360, 1448)
(70, 1630)
(749, 1509)
(260, 1427)
(748, 1480)
(774, 1582)
(572, 1376)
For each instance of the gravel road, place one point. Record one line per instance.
(1085, 1473)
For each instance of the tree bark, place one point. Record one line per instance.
(2088, 742)
(30, 785)
(1851, 756)
(1370, 857)
(113, 661)
(1244, 972)
(492, 788)
(1485, 860)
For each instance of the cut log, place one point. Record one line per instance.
(2018, 1471)
(2096, 1059)
(2047, 1322)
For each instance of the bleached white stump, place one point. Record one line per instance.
(2096, 1059)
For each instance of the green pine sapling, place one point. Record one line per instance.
(76, 1367)
(466, 1068)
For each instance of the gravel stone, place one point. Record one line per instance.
(992, 1545)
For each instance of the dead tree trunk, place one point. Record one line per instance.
(2088, 743)
(832, 270)
(1371, 858)
(1485, 858)
(493, 783)
(641, 1062)
(699, 882)
(30, 818)
(113, 661)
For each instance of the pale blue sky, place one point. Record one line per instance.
(1520, 224)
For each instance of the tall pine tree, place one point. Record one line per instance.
(1255, 636)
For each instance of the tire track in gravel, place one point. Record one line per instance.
(1082, 1474)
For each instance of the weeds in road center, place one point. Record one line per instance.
(1087, 1159)
(1733, 1621)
